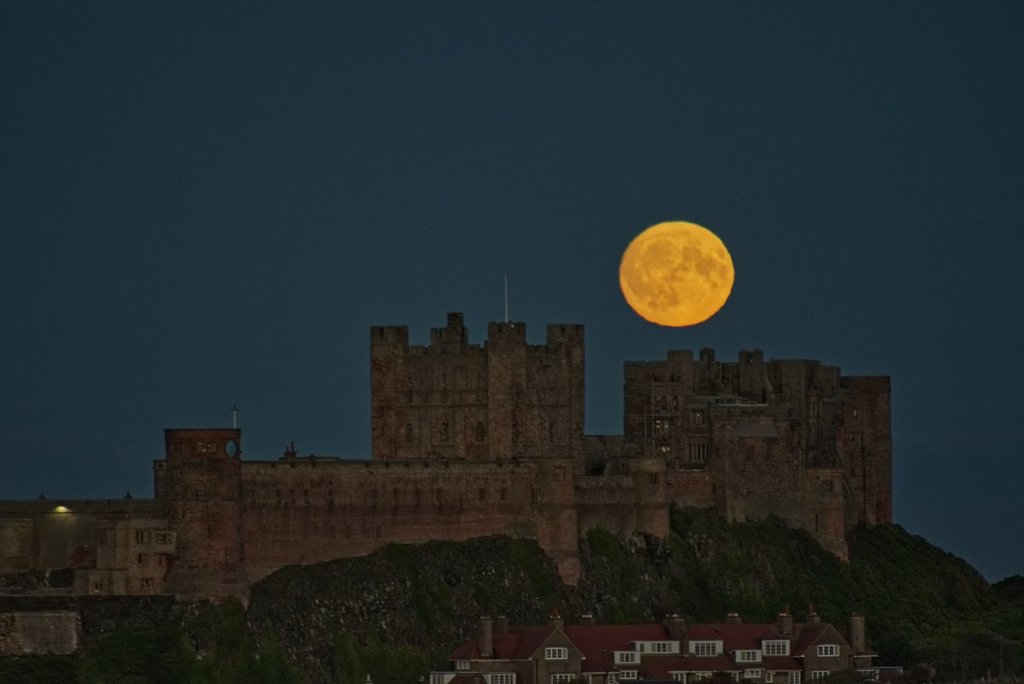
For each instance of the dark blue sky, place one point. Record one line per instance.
(210, 203)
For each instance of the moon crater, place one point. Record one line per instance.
(676, 274)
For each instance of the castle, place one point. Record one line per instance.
(471, 440)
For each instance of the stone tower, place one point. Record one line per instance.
(199, 485)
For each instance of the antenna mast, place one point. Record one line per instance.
(234, 417)
(506, 296)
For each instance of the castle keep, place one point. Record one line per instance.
(479, 439)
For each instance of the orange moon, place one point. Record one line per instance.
(676, 274)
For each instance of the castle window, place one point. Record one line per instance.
(146, 584)
(697, 417)
(409, 436)
(504, 494)
(559, 473)
(483, 494)
(480, 434)
(699, 452)
(141, 536)
(652, 478)
(444, 432)
(662, 425)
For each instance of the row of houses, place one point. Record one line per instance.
(783, 652)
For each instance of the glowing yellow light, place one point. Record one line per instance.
(676, 274)
(61, 509)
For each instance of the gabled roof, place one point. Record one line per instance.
(517, 643)
(598, 641)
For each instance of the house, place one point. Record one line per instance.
(783, 652)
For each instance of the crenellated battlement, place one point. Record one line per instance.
(479, 439)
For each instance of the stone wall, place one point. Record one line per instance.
(38, 633)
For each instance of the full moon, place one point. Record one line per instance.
(676, 274)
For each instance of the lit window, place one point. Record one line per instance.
(828, 650)
(556, 653)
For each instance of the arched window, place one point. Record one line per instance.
(409, 436)
(481, 432)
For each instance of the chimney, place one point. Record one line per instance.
(857, 633)
(587, 619)
(676, 627)
(812, 616)
(785, 622)
(733, 619)
(486, 638)
(501, 625)
(555, 619)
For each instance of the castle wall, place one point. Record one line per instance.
(307, 510)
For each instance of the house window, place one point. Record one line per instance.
(503, 678)
(819, 675)
(626, 657)
(461, 664)
(794, 677)
(768, 678)
(556, 653)
(828, 650)
(775, 647)
(665, 647)
(705, 648)
(562, 678)
(753, 674)
(748, 656)
(679, 676)
(627, 674)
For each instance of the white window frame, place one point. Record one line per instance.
(556, 653)
(461, 664)
(748, 655)
(828, 650)
(818, 675)
(794, 677)
(705, 648)
(753, 673)
(627, 657)
(562, 678)
(627, 675)
(775, 647)
(678, 676)
(501, 678)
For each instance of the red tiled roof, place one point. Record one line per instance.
(518, 643)
(598, 641)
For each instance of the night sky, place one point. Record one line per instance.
(209, 204)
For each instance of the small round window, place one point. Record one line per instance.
(231, 447)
